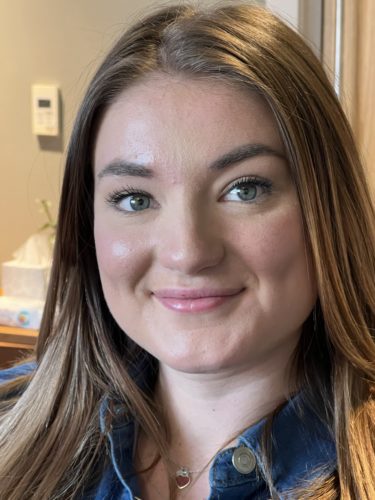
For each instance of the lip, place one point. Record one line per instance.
(195, 300)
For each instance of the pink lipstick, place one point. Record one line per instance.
(195, 300)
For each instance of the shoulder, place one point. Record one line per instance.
(17, 371)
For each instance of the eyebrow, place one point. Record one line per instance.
(120, 167)
(242, 153)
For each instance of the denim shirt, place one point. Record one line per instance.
(302, 449)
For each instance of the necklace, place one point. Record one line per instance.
(183, 475)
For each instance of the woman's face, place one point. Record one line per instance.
(198, 228)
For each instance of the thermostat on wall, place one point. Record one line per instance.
(45, 110)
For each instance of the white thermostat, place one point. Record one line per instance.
(45, 110)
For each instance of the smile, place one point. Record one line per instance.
(195, 301)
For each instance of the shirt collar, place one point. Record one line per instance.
(302, 446)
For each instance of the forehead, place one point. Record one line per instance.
(167, 119)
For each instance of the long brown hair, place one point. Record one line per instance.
(49, 438)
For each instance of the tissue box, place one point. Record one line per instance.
(25, 280)
(24, 313)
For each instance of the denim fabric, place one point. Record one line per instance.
(16, 371)
(302, 449)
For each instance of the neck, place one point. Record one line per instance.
(205, 412)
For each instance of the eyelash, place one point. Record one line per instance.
(115, 197)
(259, 182)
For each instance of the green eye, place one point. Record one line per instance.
(127, 200)
(246, 192)
(135, 202)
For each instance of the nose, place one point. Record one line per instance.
(189, 240)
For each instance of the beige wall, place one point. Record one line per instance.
(45, 41)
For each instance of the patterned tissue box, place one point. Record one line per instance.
(23, 313)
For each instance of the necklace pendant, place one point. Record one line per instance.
(183, 478)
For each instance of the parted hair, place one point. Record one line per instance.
(50, 442)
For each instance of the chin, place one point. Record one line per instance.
(193, 363)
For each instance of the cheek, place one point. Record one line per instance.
(276, 244)
(119, 255)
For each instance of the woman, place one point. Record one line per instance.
(212, 295)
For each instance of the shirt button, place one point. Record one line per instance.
(243, 460)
